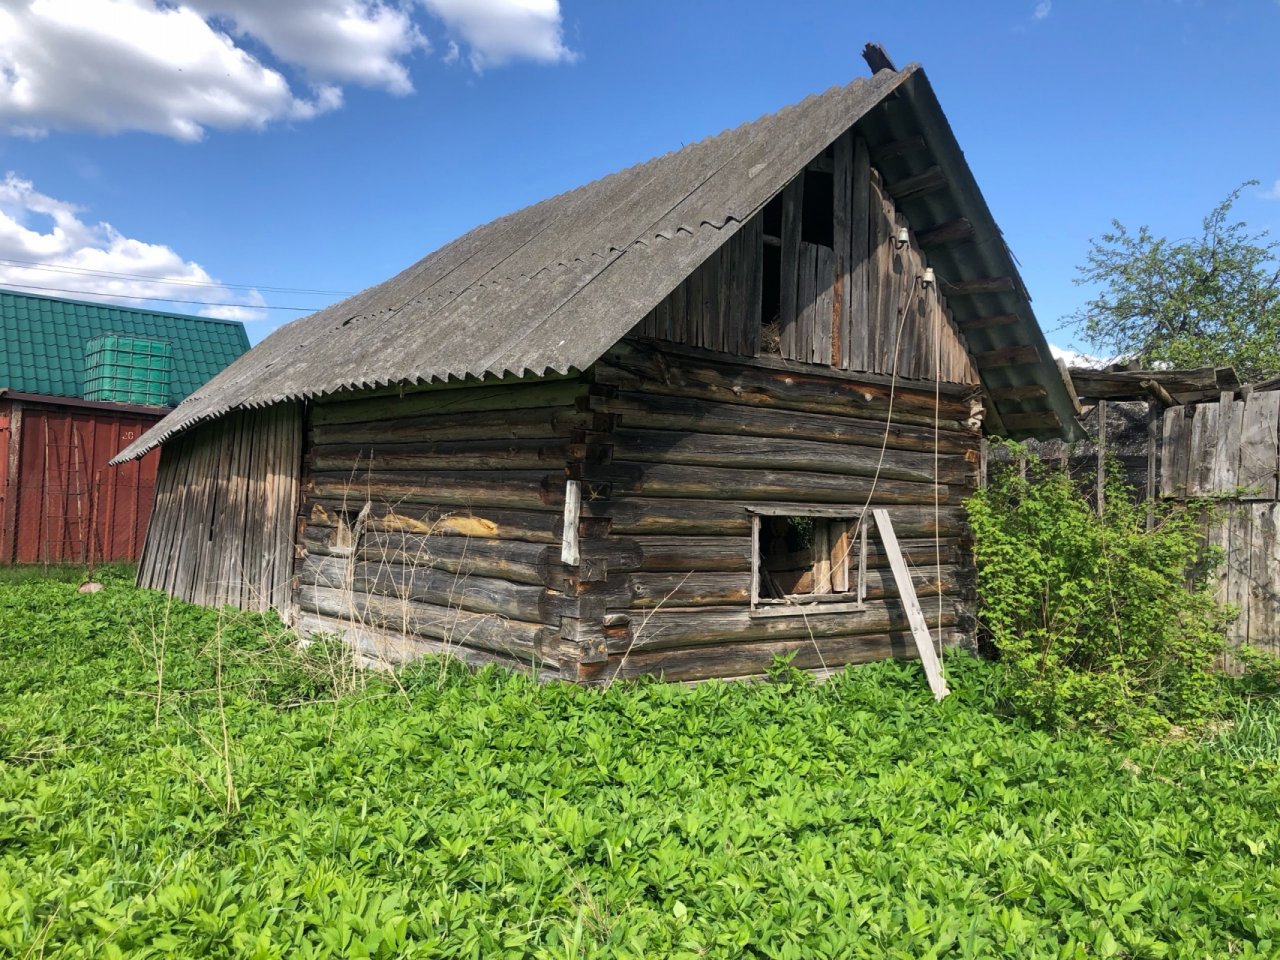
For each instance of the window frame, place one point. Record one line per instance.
(850, 601)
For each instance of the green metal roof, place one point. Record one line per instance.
(43, 342)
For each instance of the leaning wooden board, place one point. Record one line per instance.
(911, 603)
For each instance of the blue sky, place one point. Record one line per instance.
(454, 112)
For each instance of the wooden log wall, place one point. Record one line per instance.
(433, 522)
(1231, 450)
(222, 530)
(694, 440)
(858, 303)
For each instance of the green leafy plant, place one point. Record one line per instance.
(1097, 621)
(442, 812)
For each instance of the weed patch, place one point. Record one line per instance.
(179, 782)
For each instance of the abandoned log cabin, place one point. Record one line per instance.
(643, 427)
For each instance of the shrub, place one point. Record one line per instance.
(1098, 622)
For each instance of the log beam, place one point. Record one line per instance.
(967, 288)
(1007, 356)
(922, 183)
(952, 231)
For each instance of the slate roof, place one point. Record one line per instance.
(551, 287)
(42, 343)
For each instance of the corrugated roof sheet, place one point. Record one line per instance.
(546, 289)
(42, 343)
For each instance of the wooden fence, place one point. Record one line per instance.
(1231, 449)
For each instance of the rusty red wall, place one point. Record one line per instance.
(59, 500)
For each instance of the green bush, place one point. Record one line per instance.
(1098, 622)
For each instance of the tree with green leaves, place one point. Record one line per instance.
(1209, 300)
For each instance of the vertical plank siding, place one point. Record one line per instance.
(1231, 450)
(60, 501)
(858, 304)
(222, 530)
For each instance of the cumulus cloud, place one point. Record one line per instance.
(499, 31)
(182, 68)
(95, 261)
(1074, 358)
(1043, 9)
(329, 40)
(1272, 192)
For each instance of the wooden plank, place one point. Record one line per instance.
(877, 321)
(806, 295)
(1264, 576)
(841, 547)
(679, 299)
(1259, 445)
(1204, 432)
(1226, 457)
(726, 333)
(977, 285)
(897, 148)
(1231, 532)
(1031, 391)
(821, 329)
(753, 265)
(821, 557)
(1175, 453)
(858, 318)
(789, 277)
(952, 231)
(986, 323)
(930, 180)
(755, 560)
(569, 548)
(911, 603)
(843, 200)
(1007, 356)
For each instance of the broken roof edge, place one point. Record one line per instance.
(991, 255)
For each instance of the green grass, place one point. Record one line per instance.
(248, 812)
(67, 573)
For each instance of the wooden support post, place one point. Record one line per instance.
(570, 552)
(911, 603)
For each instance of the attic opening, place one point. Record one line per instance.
(807, 561)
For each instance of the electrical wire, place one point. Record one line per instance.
(125, 296)
(85, 271)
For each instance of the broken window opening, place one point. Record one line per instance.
(805, 559)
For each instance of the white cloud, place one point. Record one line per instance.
(181, 67)
(1074, 358)
(352, 41)
(75, 255)
(1043, 9)
(1272, 192)
(499, 31)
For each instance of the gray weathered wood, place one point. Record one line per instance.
(789, 276)
(569, 550)
(915, 615)
(1258, 445)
